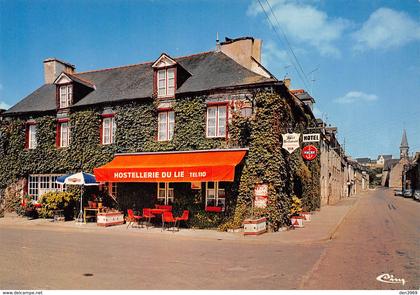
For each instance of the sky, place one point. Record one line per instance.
(359, 59)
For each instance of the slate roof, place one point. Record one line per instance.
(209, 70)
(389, 164)
(302, 94)
(404, 142)
(363, 160)
(386, 157)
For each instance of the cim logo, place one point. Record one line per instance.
(390, 279)
(309, 152)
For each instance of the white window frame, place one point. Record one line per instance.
(218, 131)
(66, 95)
(167, 87)
(166, 125)
(64, 140)
(108, 134)
(165, 194)
(39, 184)
(32, 141)
(218, 201)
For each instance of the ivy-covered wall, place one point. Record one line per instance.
(136, 122)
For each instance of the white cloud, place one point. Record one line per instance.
(304, 23)
(4, 105)
(272, 55)
(386, 29)
(355, 97)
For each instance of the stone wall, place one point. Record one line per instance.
(11, 196)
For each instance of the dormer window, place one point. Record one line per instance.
(165, 73)
(166, 82)
(70, 89)
(66, 95)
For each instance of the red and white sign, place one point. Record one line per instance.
(309, 152)
(260, 195)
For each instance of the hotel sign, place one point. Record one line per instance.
(291, 141)
(314, 137)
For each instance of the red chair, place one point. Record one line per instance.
(131, 218)
(148, 215)
(168, 218)
(167, 207)
(184, 217)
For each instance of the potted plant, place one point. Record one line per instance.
(306, 215)
(27, 208)
(295, 210)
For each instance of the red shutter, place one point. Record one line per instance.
(58, 135)
(101, 127)
(26, 136)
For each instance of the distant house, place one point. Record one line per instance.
(381, 160)
(394, 169)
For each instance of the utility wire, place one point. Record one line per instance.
(287, 41)
(293, 61)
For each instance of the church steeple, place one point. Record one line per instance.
(404, 146)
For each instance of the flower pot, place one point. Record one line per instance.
(255, 226)
(297, 221)
(306, 216)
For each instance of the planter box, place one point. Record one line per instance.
(255, 226)
(297, 221)
(108, 219)
(306, 216)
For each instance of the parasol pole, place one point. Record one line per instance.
(81, 203)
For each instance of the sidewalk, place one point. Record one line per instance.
(322, 227)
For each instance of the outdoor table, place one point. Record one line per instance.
(89, 209)
(58, 215)
(156, 211)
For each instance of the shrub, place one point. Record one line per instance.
(296, 207)
(52, 201)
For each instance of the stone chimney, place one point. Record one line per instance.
(246, 51)
(53, 67)
(287, 82)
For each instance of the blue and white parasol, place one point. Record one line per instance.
(82, 179)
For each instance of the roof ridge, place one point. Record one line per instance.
(113, 68)
(138, 64)
(194, 54)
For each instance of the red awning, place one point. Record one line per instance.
(194, 166)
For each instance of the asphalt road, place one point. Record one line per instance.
(40, 259)
(379, 236)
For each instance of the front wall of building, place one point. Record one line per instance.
(137, 132)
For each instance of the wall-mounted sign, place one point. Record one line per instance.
(291, 141)
(309, 152)
(260, 195)
(314, 137)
